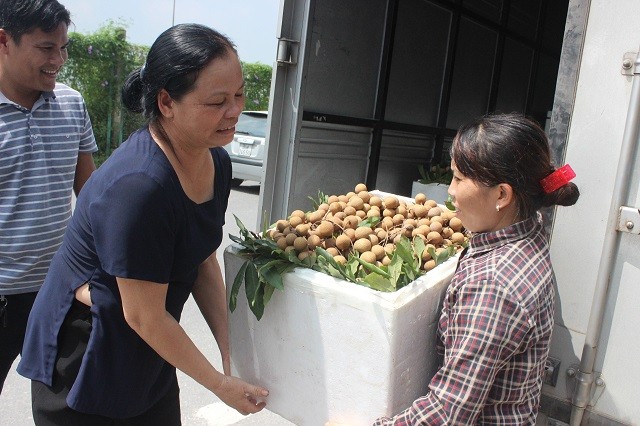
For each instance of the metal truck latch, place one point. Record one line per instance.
(629, 220)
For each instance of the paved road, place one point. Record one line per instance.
(199, 406)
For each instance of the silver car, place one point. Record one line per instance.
(248, 146)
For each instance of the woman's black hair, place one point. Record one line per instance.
(18, 17)
(512, 149)
(173, 63)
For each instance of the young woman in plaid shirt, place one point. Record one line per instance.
(497, 316)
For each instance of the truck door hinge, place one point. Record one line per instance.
(287, 53)
(629, 220)
(628, 62)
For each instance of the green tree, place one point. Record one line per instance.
(97, 67)
(257, 84)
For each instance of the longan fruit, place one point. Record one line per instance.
(391, 202)
(447, 232)
(426, 255)
(335, 207)
(364, 195)
(303, 255)
(290, 238)
(300, 244)
(429, 265)
(362, 245)
(351, 233)
(420, 198)
(314, 241)
(298, 213)
(434, 211)
(333, 251)
(302, 229)
(387, 223)
(436, 226)
(295, 221)
(431, 203)
(375, 201)
(457, 238)
(419, 210)
(325, 229)
(282, 243)
(316, 215)
(360, 187)
(343, 242)
(363, 231)
(340, 259)
(389, 248)
(351, 221)
(356, 202)
(455, 224)
(378, 250)
(349, 210)
(368, 256)
(434, 238)
(398, 219)
(282, 224)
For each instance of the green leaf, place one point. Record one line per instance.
(257, 307)
(271, 275)
(395, 268)
(251, 283)
(418, 247)
(380, 283)
(268, 292)
(370, 222)
(243, 229)
(237, 282)
(405, 251)
(373, 268)
(449, 204)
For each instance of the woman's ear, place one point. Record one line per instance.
(505, 197)
(165, 103)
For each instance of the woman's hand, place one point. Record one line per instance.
(242, 396)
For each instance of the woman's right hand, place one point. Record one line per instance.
(242, 396)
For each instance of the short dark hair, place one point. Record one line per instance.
(513, 149)
(18, 17)
(173, 63)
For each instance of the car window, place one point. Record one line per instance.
(252, 125)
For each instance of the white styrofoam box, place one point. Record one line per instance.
(331, 350)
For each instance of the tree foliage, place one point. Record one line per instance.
(97, 66)
(257, 84)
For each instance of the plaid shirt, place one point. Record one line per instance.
(494, 334)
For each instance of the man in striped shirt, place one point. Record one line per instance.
(46, 146)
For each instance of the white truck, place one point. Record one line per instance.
(366, 91)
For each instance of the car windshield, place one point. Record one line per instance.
(252, 124)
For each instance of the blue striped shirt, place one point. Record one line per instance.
(38, 156)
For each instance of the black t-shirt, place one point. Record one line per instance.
(132, 220)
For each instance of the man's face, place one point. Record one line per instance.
(31, 65)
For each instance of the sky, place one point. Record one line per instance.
(250, 24)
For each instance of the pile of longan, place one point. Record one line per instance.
(334, 226)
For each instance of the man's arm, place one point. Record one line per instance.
(84, 168)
